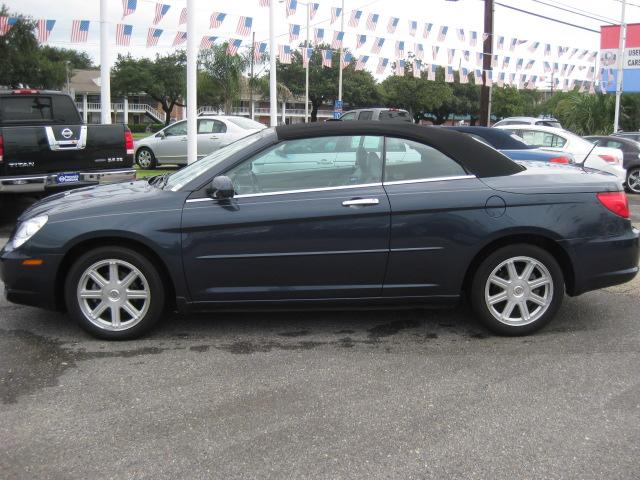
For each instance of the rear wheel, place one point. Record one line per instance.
(146, 159)
(633, 180)
(114, 293)
(517, 289)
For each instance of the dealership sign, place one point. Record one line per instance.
(609, 44)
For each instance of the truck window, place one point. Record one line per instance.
(65, 110)
(395, 115)
(21, 109)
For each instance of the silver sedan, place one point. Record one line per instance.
(169, 145)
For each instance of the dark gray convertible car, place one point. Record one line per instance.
(364, 213)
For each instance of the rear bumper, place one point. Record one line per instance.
(49, 181)
(603, 262)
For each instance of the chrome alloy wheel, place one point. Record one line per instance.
(519, 291)
(144, 158)
(113, 295)
(633, 180)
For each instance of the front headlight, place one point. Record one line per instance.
(28, 229)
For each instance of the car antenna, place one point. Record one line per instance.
(585, 158)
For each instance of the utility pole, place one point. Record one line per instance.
(251, 79)
(620, 60)
(192, 83)
(340, 54)
(105, 66)
(306, 74)
(485, 92)
(273, 99)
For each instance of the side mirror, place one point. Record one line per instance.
(161, 134)
(221, 187)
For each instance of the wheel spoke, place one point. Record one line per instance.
(538, 282)
(497, 298)
(131, 310)
(113, 272)
(97, 278)
(508, 309)
(501, 282)
(528, 270)
(128, 280)
(524, 310)
(115, 316)
(537, 299)
(513, 273)
(136, 294)
(91, 294)
(99, 310)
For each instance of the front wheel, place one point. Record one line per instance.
(517, 290)
(633, 180)
(146, 159)
(114, 293)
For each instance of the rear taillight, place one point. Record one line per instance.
(1, 149)
(128, 141)
(560, 160)
(609, 158)
(615, 202)
(26, 91)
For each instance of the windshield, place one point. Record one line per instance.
(188, 173)
(246, 123)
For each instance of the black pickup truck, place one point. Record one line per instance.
(46, 147)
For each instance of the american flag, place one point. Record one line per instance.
(306, 56)
(529, 65)
(519, 63)
(511, 79)
(494, 61)
(345, 60)
(335, 13)
(183, 16)
(419, 51)
(416, 68)
(284, 52)
(361, 62)
(571, 67)
(259, 49)
(181, 37)
(129, 7)
(501, 77)
(573, 52)
(450, 54)
(534, 46)
(244, 26)
(313, 9)
(427, 30)
(521, 82)
(547, 49)
(464, 75)
(448, 77)
(479, 58)
(488, 78)
(583, 54)
(382, 65)
(360, 40)
(123, 34)
(547, 67)
(500, 43)
(79, 31)
(233, 46)
(161, 11)
(337, 40)
(377, 45)
(153, 36)
(593, 56)
(318, 35)
(216, 19)
(354, 20)
(327, 57)
(532, 81)
(372, 21)
(465, 55)
(505, 62)
(44, 29)
(583, 86)
(207, 42)
(413, 26)
(434, 52)
(477, 77)
(442, 33)
(393, 24)
(399, 49)
(555, 68)
(473, 38)
(264, 3)
(294, 32)
(292, 5)
(460, 32)
(400, 68)
(6, 23)
(431, 73)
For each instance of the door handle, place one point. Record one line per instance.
(360, 202)
(183, 139)
(213, 138)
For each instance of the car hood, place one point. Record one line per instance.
(126, 197)
(551, 178)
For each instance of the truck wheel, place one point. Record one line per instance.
(517, 289)
(146, 159)
(633, 180)
(114, 293)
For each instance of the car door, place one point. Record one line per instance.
(211, 136)
(172, 146)
(437, 219)
(302, 231)
(365, 115)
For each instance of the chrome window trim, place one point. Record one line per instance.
(287, 192)
(434, 179)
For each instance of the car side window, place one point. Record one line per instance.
(179, 128)
(207, 125)
(409, 160)
(349, 116)
(614, 144)
(542, 139)
(366, 115)
(310, 163)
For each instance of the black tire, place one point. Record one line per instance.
(147, 273)
(632, 183)
(142, 163)
(518, 290)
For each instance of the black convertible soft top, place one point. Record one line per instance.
(477, 158)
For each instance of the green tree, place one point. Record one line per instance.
(163, 79)
(225, 74)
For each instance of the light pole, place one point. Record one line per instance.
(620, 73)
(192, 83)
(273, 100)
(306, 74)
(105, 69)
(340, 54)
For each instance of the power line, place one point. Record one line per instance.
(548, 18)
(582, 13)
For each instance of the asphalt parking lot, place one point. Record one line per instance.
(389, 394)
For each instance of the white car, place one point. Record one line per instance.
(555, 139)
(169, 145)
(544, 122)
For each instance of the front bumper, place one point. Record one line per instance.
(49, 181)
